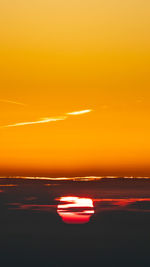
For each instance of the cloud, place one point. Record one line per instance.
(80, 112)
(12, 102)
(47, 120)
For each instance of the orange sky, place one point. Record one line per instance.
(58, 57)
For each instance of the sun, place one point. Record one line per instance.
(75, 210)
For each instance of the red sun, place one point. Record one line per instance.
(75, 210)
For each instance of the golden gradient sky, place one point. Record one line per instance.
(62, 56)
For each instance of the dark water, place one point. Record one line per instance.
(66, 223)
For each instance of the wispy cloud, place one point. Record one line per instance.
(80, 112)
(48, 120)
(12, 102)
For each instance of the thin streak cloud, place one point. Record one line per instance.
(80, 112)
(47, 120)
(12, 102)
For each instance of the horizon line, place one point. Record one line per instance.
(74, 178)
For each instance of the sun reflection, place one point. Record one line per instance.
(75, 210)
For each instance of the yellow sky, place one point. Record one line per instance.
(59, 57)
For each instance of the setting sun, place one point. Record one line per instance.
(75, 210)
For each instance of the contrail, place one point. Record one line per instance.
(80, 112)
(12, 102)
(46, 120)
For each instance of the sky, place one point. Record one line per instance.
(61, 58)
